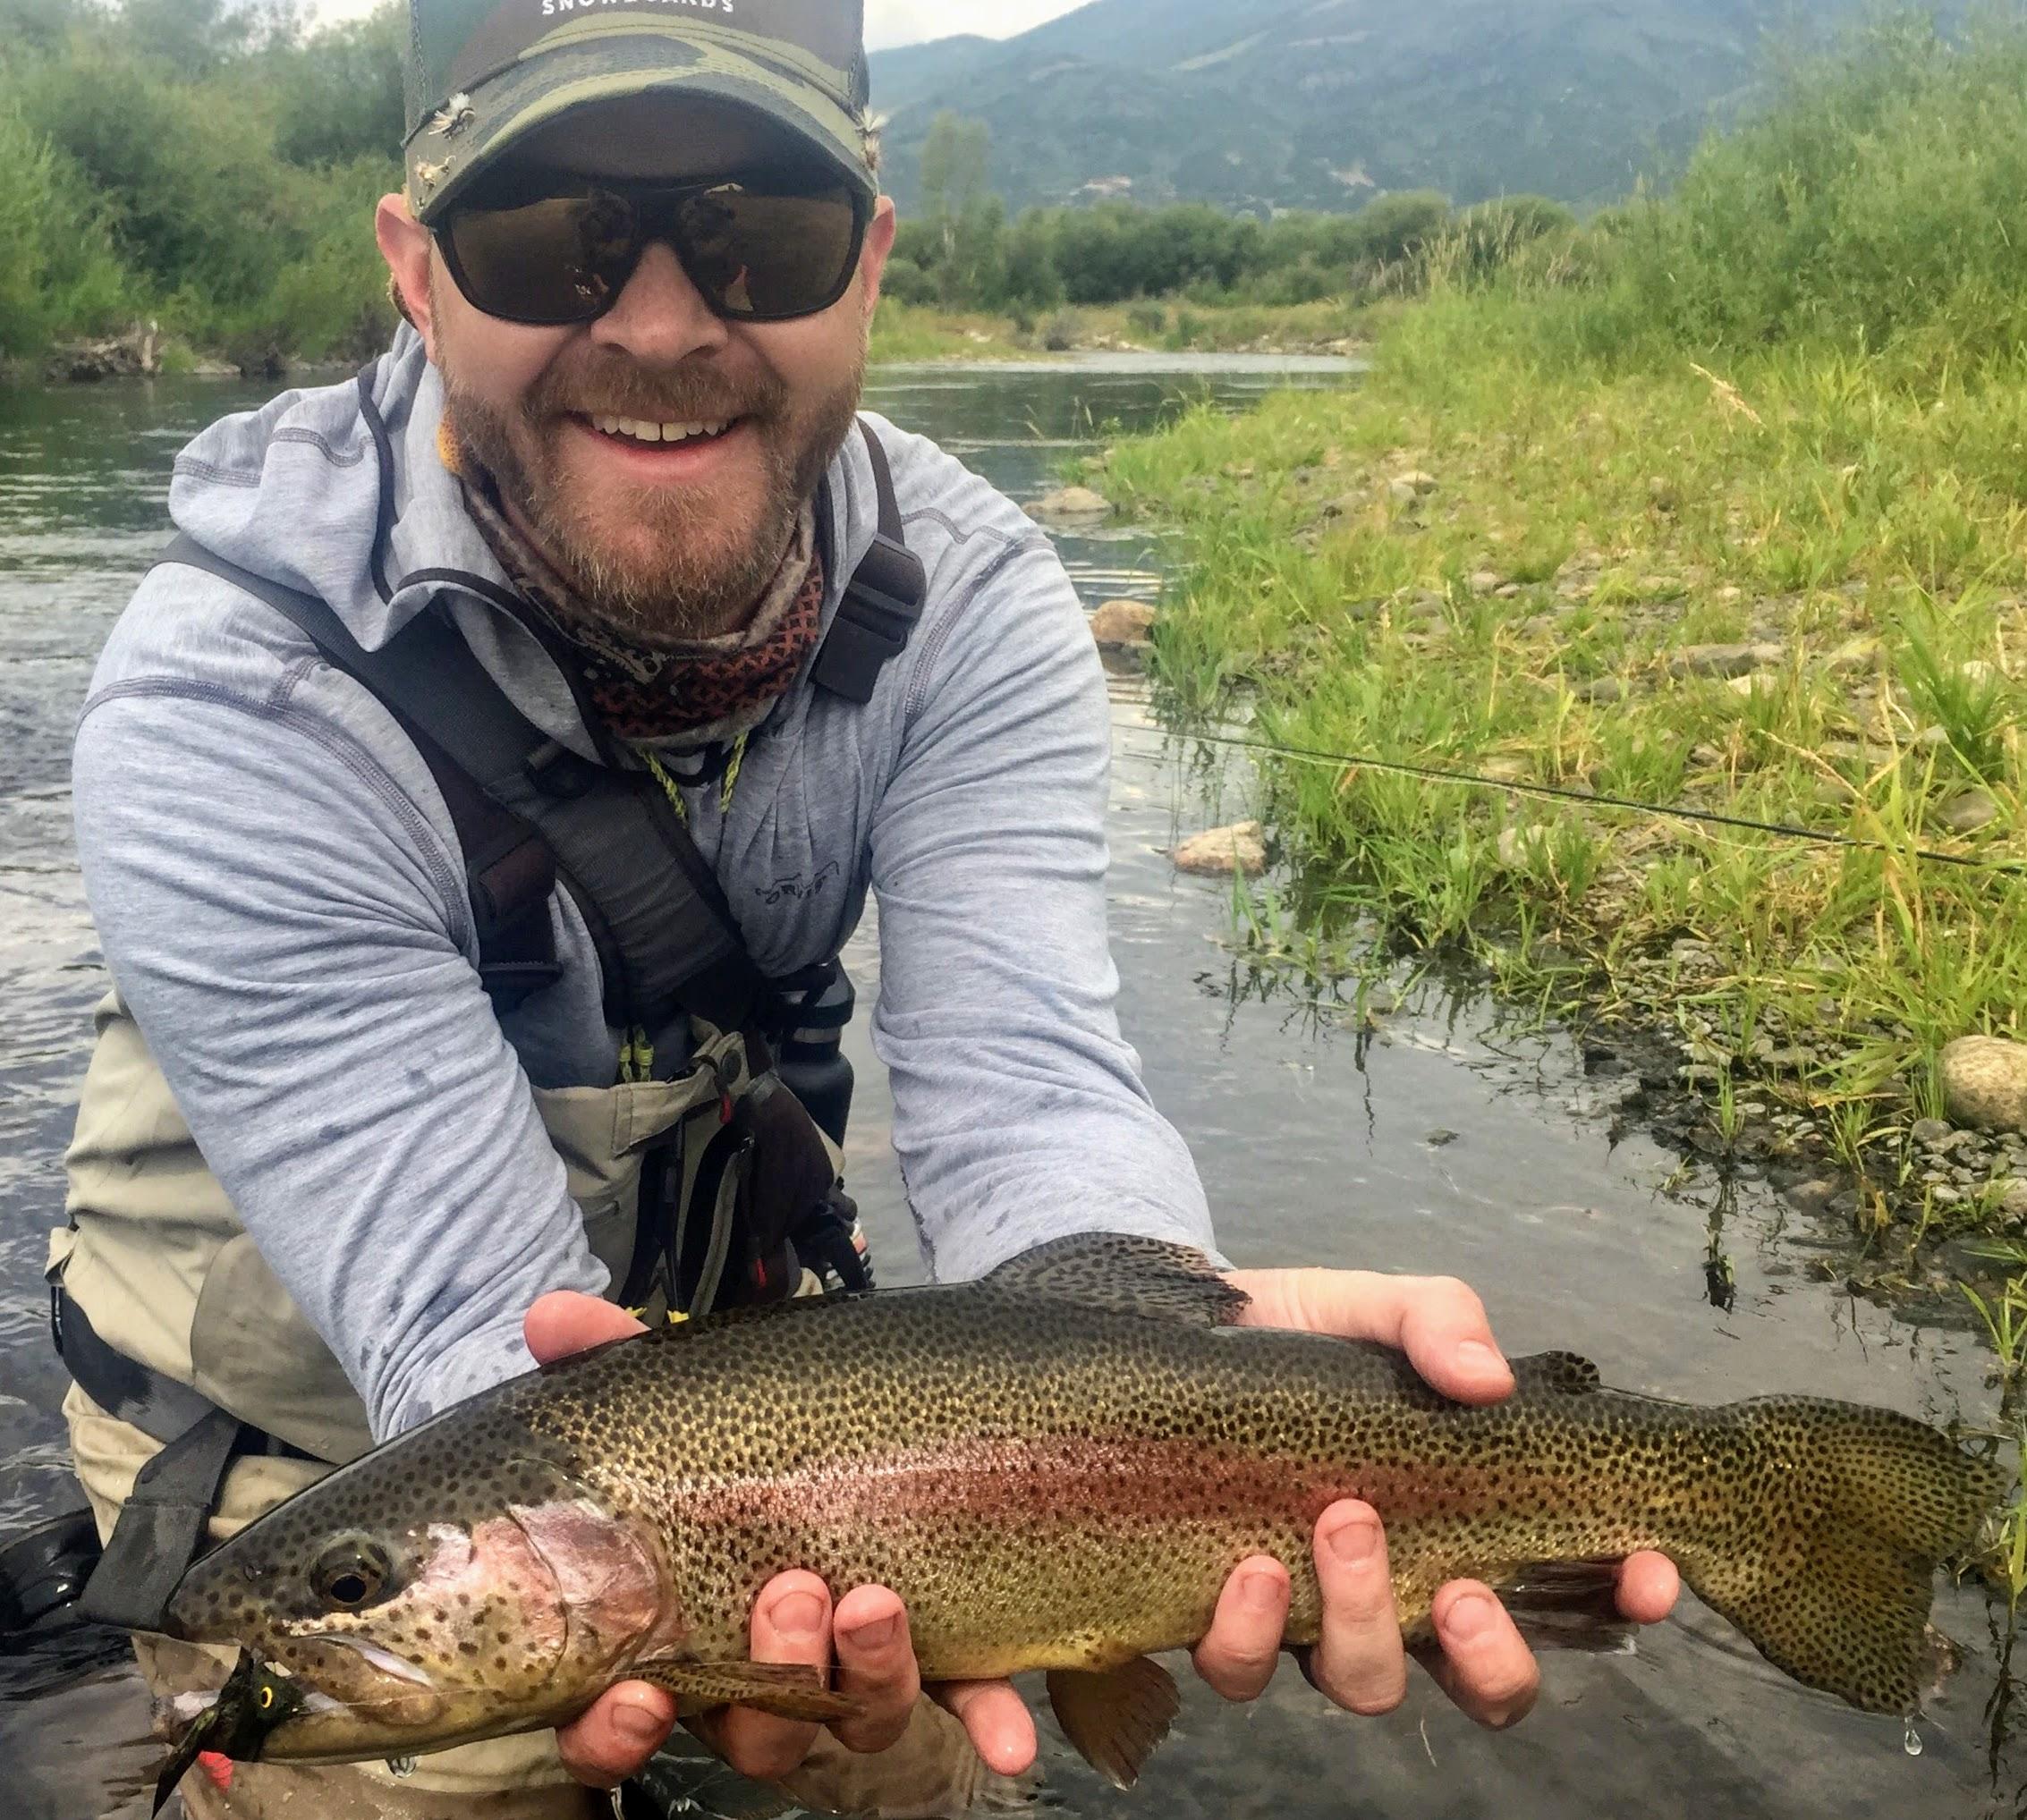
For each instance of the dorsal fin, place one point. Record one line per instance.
(1127, 1276)
(1562, 1373)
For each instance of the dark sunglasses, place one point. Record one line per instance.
(765, 248)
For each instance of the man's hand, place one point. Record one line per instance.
(1483, 1665)
(793, 1620)
(1358, 1662)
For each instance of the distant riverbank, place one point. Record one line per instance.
(901, 333)
(906, 332)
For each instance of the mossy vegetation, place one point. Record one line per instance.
(1719, 502)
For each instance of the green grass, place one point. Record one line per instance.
(905, 332)
(1835, 477)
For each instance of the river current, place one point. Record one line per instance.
(1452, 1141)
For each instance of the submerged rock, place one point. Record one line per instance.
(1221, 852)
(1814, 1197)
(1984, 1083)
(1072, 501)
(1121, 625)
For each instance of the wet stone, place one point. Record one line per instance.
(1123, 624)
(1220, 852)
(1072, 501)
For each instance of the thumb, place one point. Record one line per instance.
(564, 1324)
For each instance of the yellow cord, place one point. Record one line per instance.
(673, 790)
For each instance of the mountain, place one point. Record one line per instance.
(1324, 104)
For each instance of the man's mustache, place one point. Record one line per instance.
(646, 400)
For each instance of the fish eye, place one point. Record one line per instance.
(351, 1573)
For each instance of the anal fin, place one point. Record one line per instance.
(1569, 1604)
(1114, 1717)
(789, 1690)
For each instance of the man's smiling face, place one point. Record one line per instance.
(669, 537)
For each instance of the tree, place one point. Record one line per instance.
(955, 160)
(198, 35)
(344, 89)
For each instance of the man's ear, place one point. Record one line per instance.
(879, 244)
(406, 246)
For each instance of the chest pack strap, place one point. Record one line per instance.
(884, 602)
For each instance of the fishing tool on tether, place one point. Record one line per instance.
(1588, 798)
(253, 1702)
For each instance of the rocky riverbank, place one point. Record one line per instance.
(1584, 612)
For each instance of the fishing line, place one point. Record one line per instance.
(1554, 792)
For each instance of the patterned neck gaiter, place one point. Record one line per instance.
(679, 697)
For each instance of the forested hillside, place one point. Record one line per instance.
(1321, 104)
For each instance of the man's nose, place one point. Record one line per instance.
(661, 318)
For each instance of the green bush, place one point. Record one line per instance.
(1879, 203)
(1150, 320)
(57, 271)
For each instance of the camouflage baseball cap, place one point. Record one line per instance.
(483, 73)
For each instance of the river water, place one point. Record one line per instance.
(1449, 1142)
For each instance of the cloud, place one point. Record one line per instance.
(888, 22)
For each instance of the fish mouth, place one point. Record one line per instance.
(384, 1660)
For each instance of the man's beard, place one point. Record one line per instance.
(703, 573)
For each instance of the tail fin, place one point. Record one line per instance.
(1830, 1569)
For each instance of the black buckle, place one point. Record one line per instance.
(560, 774)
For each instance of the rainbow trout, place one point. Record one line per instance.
(1056, 1469)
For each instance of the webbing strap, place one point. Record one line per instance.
(528, 812)
(882, 605)
(126, 1389)
(161, 1526)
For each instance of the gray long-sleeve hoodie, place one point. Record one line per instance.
(281, 897)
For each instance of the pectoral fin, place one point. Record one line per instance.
(1114, 1717)
(789, 1690)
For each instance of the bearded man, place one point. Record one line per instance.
(474, 805)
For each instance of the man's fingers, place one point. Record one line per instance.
(566, 1323)
(1483, 1664)
(1358, 1661)
(614, 1740)
(791, 1622)
(1242, 1648)
(1648, 1587)
(876, 1665)
(1437, 1321)
(1001, 1728)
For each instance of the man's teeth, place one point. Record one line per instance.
(636, 431)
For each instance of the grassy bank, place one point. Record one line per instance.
(1721, 507)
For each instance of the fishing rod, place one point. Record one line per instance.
(1554, 792)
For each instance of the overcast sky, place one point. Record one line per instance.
(888, 22)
